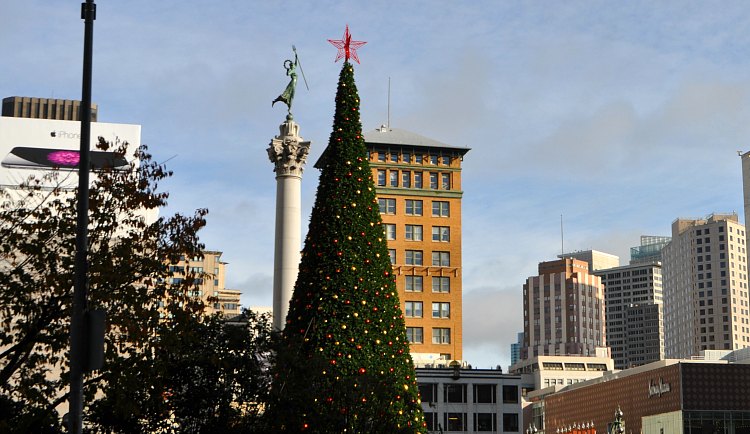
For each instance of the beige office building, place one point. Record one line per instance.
(705, 286)
(45, 108)
(597, 260)
(418, 185)
(541, 372)
(563, 309)
(210, 271)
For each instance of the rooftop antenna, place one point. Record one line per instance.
(562, 237)
(388, 123)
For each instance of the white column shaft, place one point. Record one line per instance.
(287, 246)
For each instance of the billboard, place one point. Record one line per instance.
(28, 145)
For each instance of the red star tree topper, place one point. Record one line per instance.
(347, 47)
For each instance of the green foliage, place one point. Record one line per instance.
(154, 328)
(207, 376)
(344, 363)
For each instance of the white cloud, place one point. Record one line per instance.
(491, 321)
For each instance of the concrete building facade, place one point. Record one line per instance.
(45, 108)
(705, 286)
(209, 272)
(418, 186)
(635, 329)
(541, 372)
(644, 334)
(597, 260)
(470, 400)
(563, 310)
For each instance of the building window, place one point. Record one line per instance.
(414, 335)
(455, 421)
(441, 209)
(390, 231)
(417, 179)
(441, 310)
(441, 335)
(413, 207)
(596, 367)
(433, 180)
(414, 283)
(445, 179)
(441, 259)
(441, 234)
(510, 422)
(454, 393)
(406, 179)
(381, 156)
(430, 418)
(428, 392)
(485, 393)
(413, 233)
(441, 284)
(393, 177)
(434, 159)
(394, 157)
(387, 206)
(413, 309)
(446, 160)
(392, 256)
(406, 157)
(413, 257)
(510, 394)
(485, 422)
(381, 178)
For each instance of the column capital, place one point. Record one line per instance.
(288, 151)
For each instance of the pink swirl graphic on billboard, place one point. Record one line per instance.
(64, 158)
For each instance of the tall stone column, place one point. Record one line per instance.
(288, 152)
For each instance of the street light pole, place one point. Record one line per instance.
(78, 332)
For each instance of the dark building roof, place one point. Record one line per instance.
(395, 137)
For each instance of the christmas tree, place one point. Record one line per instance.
(344, 363)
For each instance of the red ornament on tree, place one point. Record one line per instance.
(347, 47)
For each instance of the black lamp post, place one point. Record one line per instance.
(78, 328)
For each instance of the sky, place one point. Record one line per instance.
(618, 116)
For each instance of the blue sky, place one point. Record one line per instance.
(621, 116)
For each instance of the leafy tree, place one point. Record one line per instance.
(343, 364)
(208, 376)
(154, 326)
